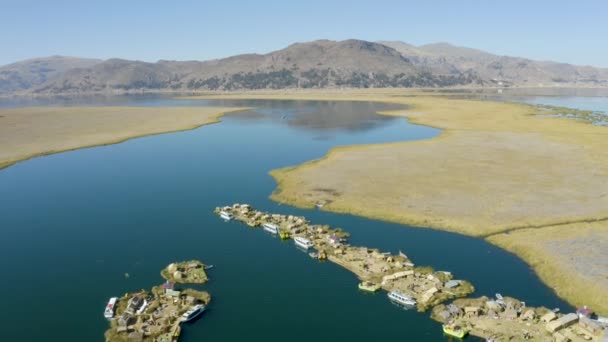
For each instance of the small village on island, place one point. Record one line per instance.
(410, 286)
(157, 315)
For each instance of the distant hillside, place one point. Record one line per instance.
(31, 73)
(447, 58)
(317, 64)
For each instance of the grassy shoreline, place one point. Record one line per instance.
(124, 123)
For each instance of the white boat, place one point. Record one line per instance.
(271, 228)
(226, 215)
(143, 307)
(194, 312)
(401, 298)
(110, 308)
(303, 242)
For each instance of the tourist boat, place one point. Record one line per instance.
(401, 298)
(284, 235)
(454, 330)
(194, 312)
(271, 228)
(303, 242)
(369, 286)
(226, 215)
(110, 308)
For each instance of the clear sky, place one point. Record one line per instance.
(561, 30)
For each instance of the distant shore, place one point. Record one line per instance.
(36, 131)
(496, 167)
(312, 91)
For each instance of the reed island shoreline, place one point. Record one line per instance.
(524, 178)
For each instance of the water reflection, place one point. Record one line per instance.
(315, 116)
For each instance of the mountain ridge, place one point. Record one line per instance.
(317, 64)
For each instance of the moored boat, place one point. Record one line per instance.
(455, 330)
(194, 312)
(226, 215)
(401, 298)
(369, 286)
(303, 242)
(271, 228)
(110, 308)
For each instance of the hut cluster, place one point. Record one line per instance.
(508, 319)
(191, 272)
(500, 319)
(154, 315)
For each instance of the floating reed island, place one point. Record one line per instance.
(500, 319)
(186, 272)
(157, 315)
(393, 273)
(509, 319)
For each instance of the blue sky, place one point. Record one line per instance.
(568, 31)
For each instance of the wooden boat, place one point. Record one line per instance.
(368, 286)
(455, 330)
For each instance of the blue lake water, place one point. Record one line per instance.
(74, 223)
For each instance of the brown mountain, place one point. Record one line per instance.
(317, 64)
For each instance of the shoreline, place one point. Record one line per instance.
(210, 115)
(439, 90)
(296, 183)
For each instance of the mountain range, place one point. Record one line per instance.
(317, 64)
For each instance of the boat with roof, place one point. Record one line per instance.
(271, 228)
(226, 215)
(455, 330)
(401, 298)
(303, 242)
(193, 312)
(368, 286)
(110, 308)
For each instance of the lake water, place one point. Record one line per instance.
(74, 223)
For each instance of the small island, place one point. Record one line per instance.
(157, 315)
(186, 272)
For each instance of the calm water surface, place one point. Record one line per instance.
(74, 223)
